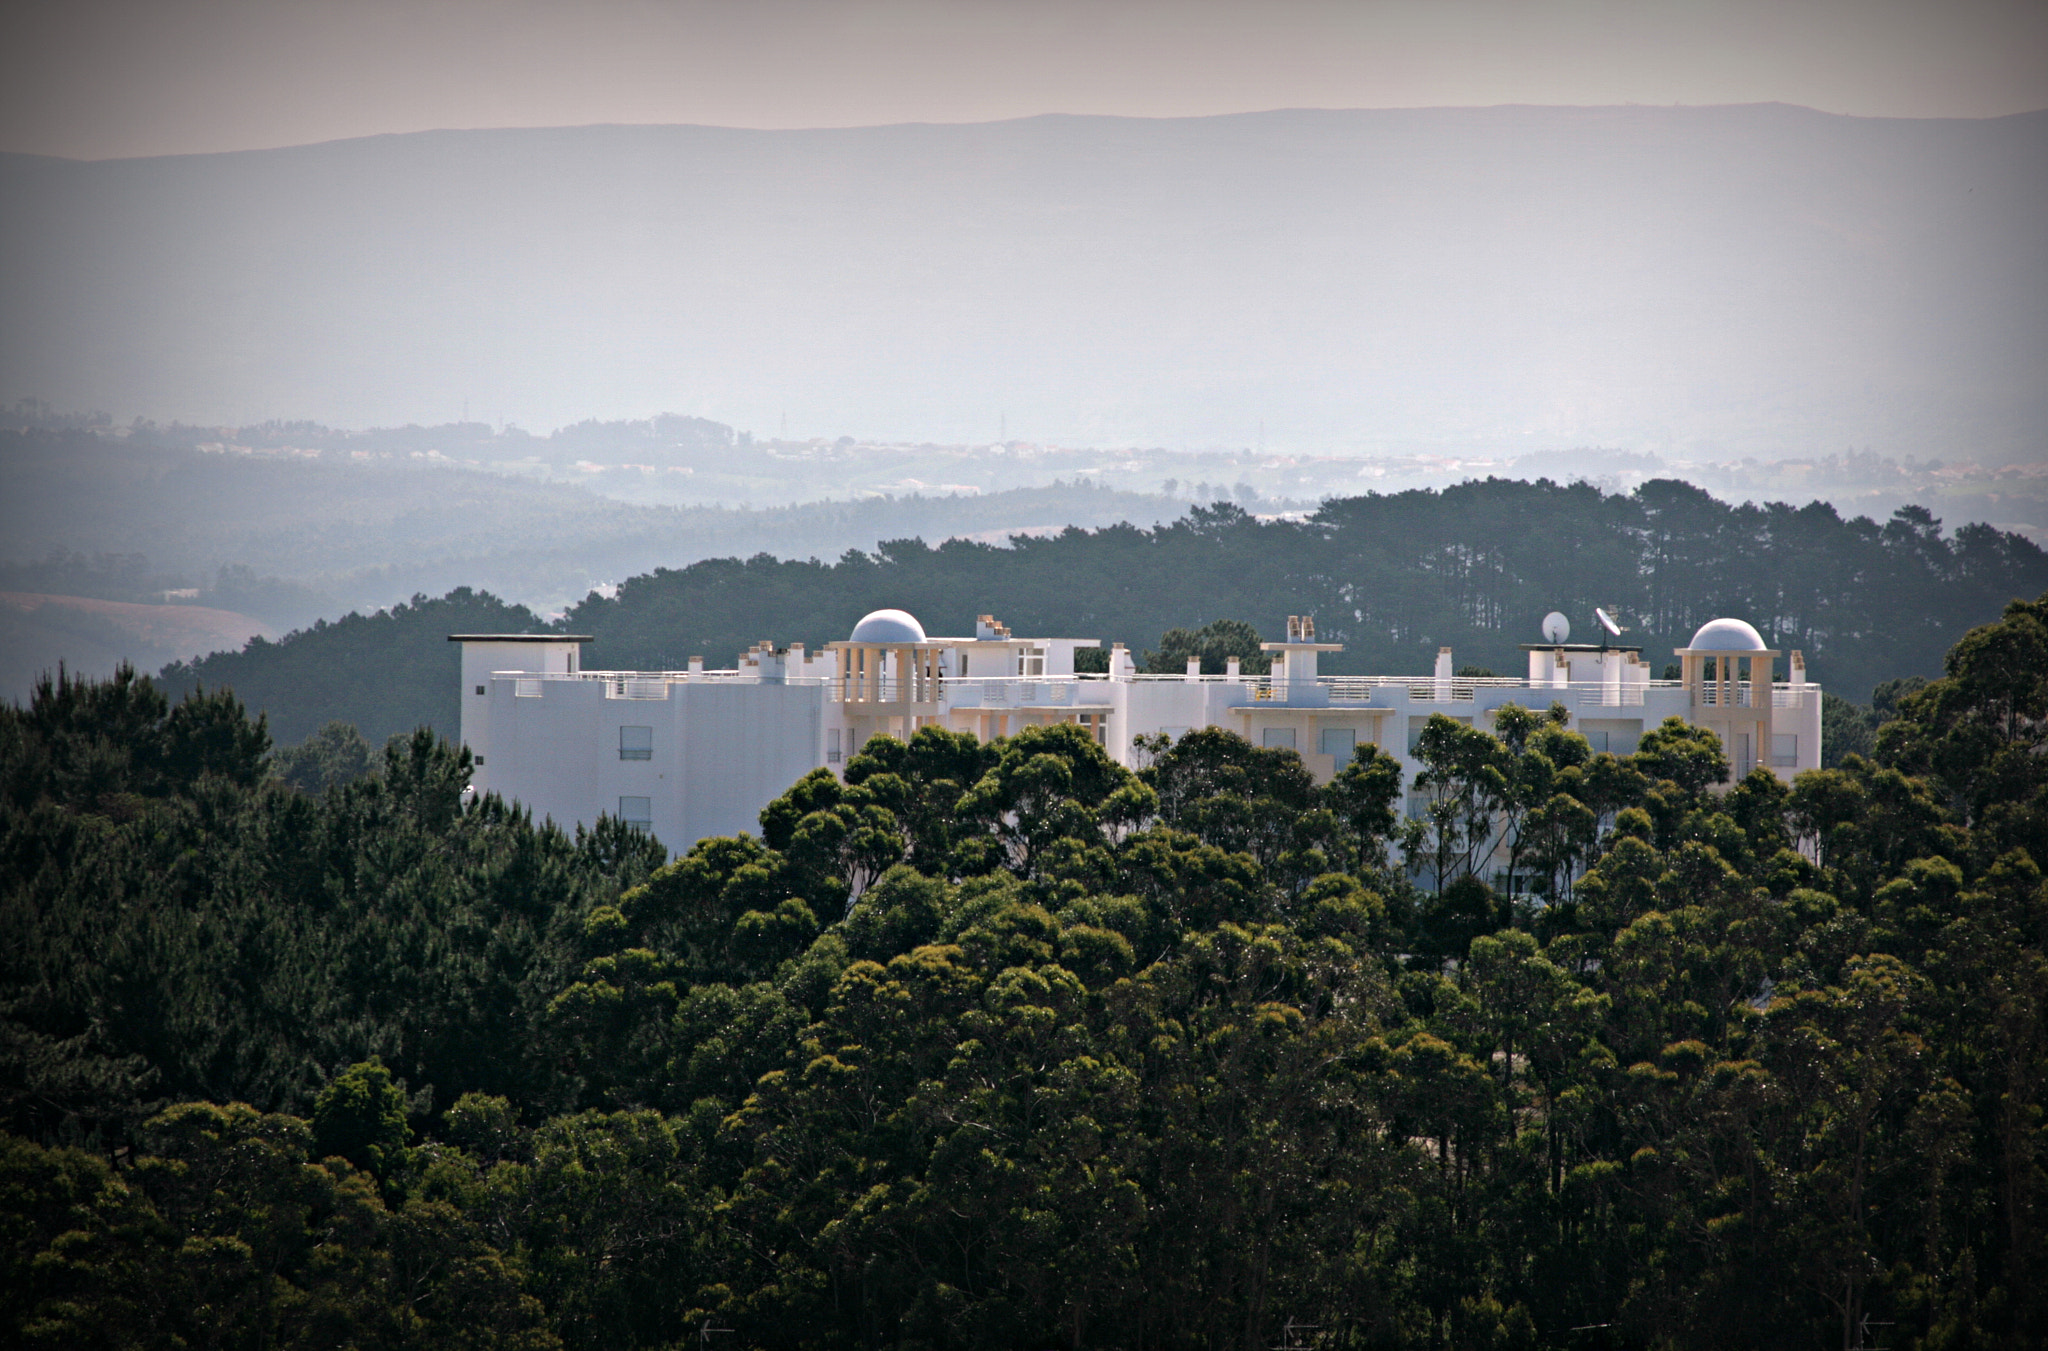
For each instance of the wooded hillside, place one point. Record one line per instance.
(1391, 576)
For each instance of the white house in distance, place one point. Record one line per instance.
(696, 753)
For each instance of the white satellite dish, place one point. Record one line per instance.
(1556, 628)
(1607, 622)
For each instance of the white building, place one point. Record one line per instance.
(698, 753)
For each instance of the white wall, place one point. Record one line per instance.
(721, 752)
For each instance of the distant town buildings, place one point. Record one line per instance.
(696, 753)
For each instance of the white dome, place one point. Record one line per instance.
(1727, 635)
(895, 626)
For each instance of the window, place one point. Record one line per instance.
(1340, 742)
(637, 812)
(1784, 749)
(832, 745)
(1279, 738)
(636, 743)
(480, 689)
(478, 761)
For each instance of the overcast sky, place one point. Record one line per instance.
(96, 79)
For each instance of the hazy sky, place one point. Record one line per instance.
(106, 78)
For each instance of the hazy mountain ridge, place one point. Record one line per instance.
(1717, 281)
(361, 534)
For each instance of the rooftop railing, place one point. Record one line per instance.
(642, 684)
(1089, 688)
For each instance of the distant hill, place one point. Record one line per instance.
(350, 534)
(91, 637)
(1760, 280)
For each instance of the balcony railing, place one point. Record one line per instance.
(988, 691)
(1460, 690)
(640, 684)
(1094, 688)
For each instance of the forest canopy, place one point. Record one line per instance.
(1394, 577)
(1007, 1044)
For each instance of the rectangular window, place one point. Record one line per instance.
(636, 743)
(478, 761)
(479, 689)
(1784, 750)
(1279, 738)
(637, 812)
(832, 745)
(1340, 742)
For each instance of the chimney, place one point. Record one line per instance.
(1231, 667)
(1194, 666)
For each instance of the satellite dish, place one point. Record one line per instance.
(1556, 628)
(1607, 622)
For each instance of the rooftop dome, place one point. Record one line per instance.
(1727, 635)
(896, 626)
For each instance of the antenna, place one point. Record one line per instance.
(1556, 628)
(1291, 1338)
(1607, 622)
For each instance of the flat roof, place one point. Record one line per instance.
(520, 638)
(1581, 647)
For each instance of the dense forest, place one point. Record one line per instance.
(1391, 576)
(1008, 1045)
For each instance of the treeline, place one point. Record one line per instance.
(1392, 577)
(384, 674)
(1008, 1045)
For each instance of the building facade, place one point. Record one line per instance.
(696, 753)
